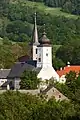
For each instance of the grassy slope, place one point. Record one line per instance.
(42, 7)
(52, 11)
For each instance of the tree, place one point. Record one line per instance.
(65, 53)
(29, 80)
(58, 63)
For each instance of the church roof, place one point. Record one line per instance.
(44, 40)
(67, 69)
(23, 58)
(19, 68)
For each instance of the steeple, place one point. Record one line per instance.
(34, 42)
(35, 32)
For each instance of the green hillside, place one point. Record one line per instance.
(53, 11)
(50, 10)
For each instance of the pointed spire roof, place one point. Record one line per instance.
(35, 32)
(44, 39)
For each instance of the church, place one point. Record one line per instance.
(40, 61)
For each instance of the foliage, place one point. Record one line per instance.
(70, 52)
(10, 52)
(14, 105)
(58, 63)
(29, 80)
(71, 89)
(70, 6)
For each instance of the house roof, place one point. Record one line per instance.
(67, 69)
(19, 68)
(23, 58)
(4, 73)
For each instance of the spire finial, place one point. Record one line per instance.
(44, 27)
(44, 33)
(35, 17)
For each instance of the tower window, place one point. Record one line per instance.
(36, 51)
(46, 54)
(39, 59)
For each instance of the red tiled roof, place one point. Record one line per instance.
(68, 69)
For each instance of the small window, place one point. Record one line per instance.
(59, 96)
(36, 51)
(46, 54)
(2, 81)
(39, 59)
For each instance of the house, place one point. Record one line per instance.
(52, 92)
(3, 75)
(62, 72)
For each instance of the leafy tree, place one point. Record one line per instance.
(65, 53)
(58, 63)
(29, 80)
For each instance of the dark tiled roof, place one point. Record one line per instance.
(19, 68)
(23, 58)
(4, 73)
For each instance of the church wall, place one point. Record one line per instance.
(39, 57)
(47, 57)
(34, 52)
(48, 73)
(44, 57)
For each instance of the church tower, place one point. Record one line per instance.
(44, 57)
(35, 42)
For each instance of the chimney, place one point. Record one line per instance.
(68, 64)
(61, 68)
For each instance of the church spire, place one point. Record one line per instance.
(35, 32)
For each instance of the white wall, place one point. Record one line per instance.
(45, 53)
(2, 81)
(62, 79)
(34, 52)
(48, 73)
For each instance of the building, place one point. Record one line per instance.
(39, 61)
(3, 75)
(62, 72)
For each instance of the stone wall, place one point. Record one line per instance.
(33, 92)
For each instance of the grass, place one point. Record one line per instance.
(52, 11)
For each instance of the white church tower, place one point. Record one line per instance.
(35, 42)
(44, 59)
